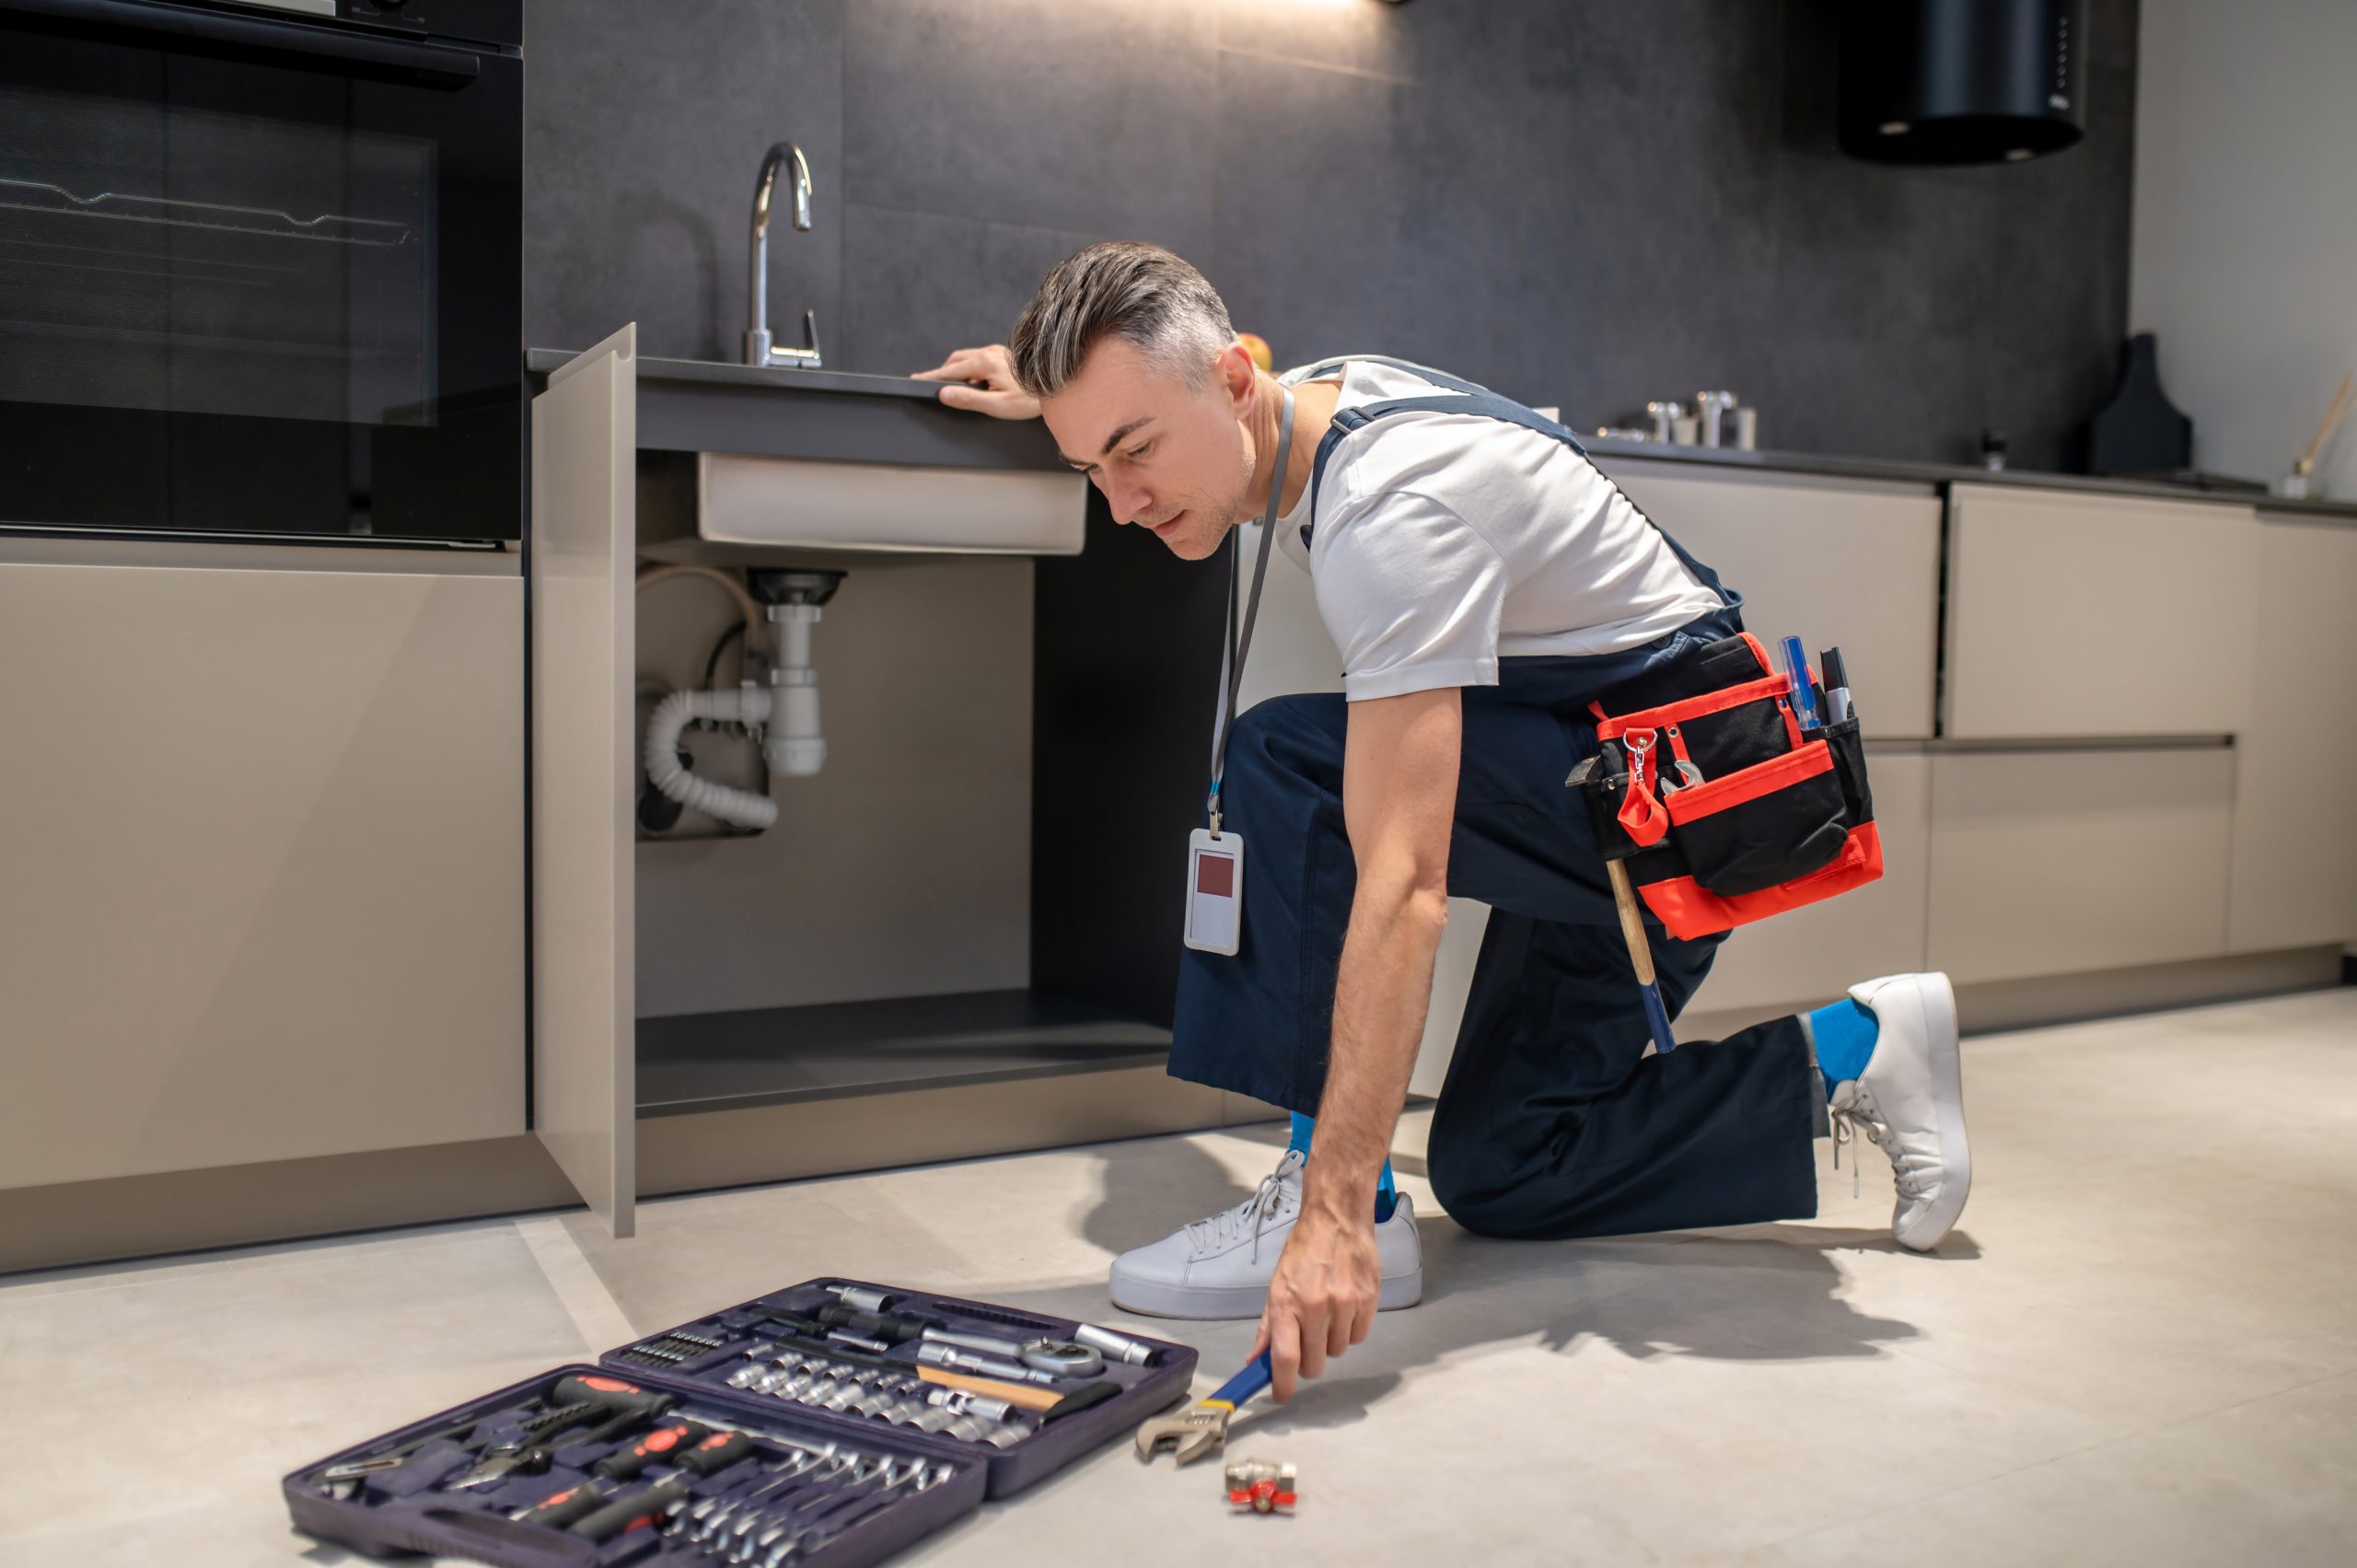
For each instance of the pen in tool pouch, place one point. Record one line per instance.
(1804, 694)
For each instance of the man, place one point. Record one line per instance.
(1483, 582)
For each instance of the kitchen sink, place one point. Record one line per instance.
(727, 502)
(747, 463)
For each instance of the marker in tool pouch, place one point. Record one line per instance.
(1837, 685)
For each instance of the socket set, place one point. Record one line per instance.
(579, 1469)
(1027, 1392)
(826, 1426)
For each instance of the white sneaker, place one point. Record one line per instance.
(1910, 1100)
(1220, 1267)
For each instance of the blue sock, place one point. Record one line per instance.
(1845, 1041)
(1386, 1194)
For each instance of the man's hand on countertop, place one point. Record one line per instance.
(982, 379)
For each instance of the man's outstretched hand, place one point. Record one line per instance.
(1322, 1298)
(982, 379)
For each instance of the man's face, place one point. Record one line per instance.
(1168, 457)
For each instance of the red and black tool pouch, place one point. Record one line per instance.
(1724, 807)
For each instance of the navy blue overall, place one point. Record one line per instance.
(1553, 1121)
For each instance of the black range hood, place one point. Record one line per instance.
(1962, 81)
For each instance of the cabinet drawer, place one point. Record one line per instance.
(2095, 615)
(2295, 826)
(1855, 566)
(2051, 862)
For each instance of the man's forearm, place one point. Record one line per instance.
(1380, 995)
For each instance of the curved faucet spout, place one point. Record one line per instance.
(782, 153)
(757, 331)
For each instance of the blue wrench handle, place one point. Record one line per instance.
(1245, 1384)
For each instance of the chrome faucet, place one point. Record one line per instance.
(757, 331)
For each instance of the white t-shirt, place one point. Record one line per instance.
(1443, 541)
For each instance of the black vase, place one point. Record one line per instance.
(2140, 431)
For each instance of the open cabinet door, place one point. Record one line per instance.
(585, 523)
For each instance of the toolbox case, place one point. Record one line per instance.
(1145, 1390)
(410, 1509)
(1724, 808)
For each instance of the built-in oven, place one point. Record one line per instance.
(262, 267)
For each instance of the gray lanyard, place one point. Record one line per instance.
(1233, 652)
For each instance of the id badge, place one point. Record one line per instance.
(1215, 891)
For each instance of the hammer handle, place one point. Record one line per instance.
(1633, 925)
(1640, 955)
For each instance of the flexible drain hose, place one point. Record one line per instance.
(739, 807)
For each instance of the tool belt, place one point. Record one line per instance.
(1724, 808)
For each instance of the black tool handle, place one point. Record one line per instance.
(829, 1349)
(560, 1509)
(659, 1444)
(591, 1389)
(1080, 1400)
(716, 1453)
(891, 1329)
(628, 1417)
(556, 1420)
(645, 1506)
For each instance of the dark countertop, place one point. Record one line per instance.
(541, 361)
(689, 405)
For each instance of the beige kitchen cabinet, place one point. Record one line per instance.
(2073, 615)
(1853, 565)
(261, 865)
(1807, 957)
(2296, 803)
(2049, 862)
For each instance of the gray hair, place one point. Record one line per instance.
(1136, 291)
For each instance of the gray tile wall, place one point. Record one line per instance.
(1583, 203)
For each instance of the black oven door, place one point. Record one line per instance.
(259, 276)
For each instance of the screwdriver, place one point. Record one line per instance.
(624, 1463)
(560, 1509)
(644, 1507)
(714, 1452)
(587, 1399)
